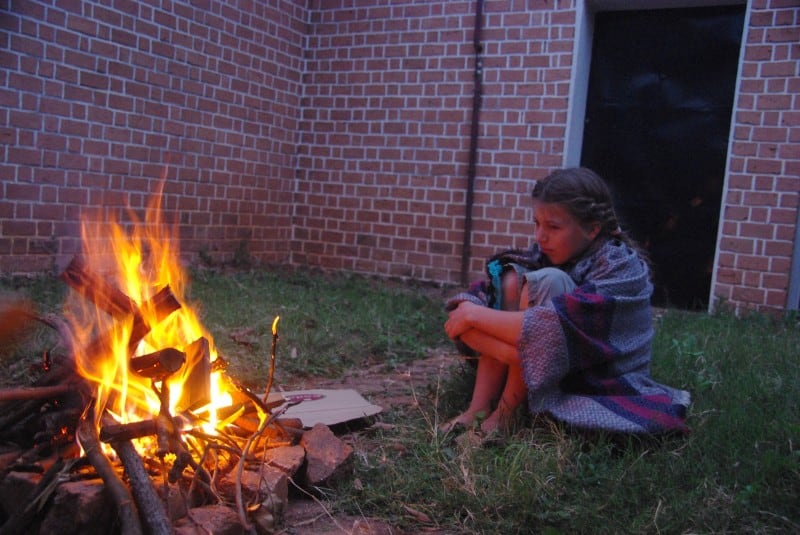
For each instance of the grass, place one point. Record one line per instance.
(738, 470)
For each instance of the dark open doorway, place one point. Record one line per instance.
(658, 113)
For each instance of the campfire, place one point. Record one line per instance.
(138, 402)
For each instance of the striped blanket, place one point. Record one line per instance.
(586, 355)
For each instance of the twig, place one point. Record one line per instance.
(318, 502)
(89, 441)
(272, 357)
(240, 467)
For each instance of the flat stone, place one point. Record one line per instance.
(289, 459)
(268, 487)
(216, 519)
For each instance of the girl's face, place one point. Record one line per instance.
(560, 236)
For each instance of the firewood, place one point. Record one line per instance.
(196, 390)
(116, 432)
(126, 509)
(35, 392)
(152, 512)
(160, 364)
(162, 304)
(94, 288)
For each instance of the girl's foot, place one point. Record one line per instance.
(452, 426)
(459, 423)
(495, 424)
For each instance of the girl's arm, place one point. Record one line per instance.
(485, 344)
(503, 326)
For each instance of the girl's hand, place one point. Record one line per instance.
(459, 319)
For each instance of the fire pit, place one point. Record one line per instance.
(138, 404)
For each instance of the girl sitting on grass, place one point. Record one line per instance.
(567, 323)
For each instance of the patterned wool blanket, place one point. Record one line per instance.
(586, 355)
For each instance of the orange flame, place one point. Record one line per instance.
(139, 263)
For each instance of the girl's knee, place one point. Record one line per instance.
(511, 290)
(545, 283)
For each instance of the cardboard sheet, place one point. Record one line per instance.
(327, 407)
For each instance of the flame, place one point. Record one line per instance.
(139, 262)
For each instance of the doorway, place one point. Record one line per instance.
(658, 112)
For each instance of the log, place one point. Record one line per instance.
(26, 404)
(159, 364)
(91, 286)
(151, 510)
(116, 432)
(197, 386)
(94, 288)
(126, 510)
(162, 304)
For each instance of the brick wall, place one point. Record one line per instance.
(100, 100)
(335, 133)
(756, 242)
(386, 131)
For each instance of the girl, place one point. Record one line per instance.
(566, 324)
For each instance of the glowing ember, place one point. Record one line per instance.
(140, 265)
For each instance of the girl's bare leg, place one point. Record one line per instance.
(489, 380)
(494, 379)
(514, 393)
(515, 390)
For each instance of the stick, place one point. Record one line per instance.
(272, 357)
(151, 510)
(35, 392)
(126, 509)
(114, 432)
(240, 509)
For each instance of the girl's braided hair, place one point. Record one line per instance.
(587, 197)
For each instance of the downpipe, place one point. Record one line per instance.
(477, 95)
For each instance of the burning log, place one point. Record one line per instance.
(197, 387)
(162, 303)
(115, 432)
(97, 290)
(160, 364)
(118, 305)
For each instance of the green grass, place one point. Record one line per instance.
(327, 324)
(738, 471)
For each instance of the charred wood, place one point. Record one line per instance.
(95, 289)
(160, 364)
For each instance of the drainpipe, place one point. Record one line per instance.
(466, 249)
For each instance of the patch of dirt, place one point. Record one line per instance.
(391, 389)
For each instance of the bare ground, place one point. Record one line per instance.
(391, 389)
